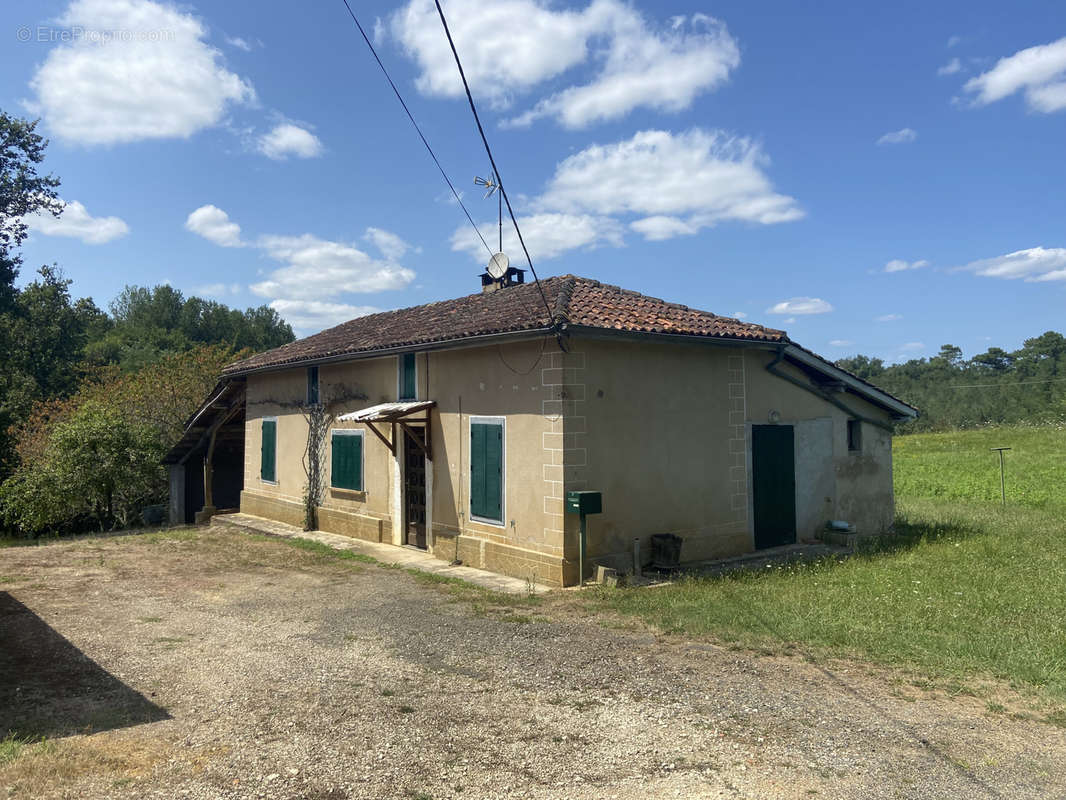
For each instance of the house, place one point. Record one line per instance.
(460, 426)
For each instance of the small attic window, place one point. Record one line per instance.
(407, 378)
(312, 386)
(854, 436)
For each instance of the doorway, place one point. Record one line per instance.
(414, 487)
(773, 480)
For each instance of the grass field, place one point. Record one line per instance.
(967, 590)
(961, 466)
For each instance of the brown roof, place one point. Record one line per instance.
(574, 302)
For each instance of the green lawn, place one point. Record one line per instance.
(967, 590)
(961, 465)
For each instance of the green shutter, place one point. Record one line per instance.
(346, 459)
(407, 377)
(486, 471)
(268, 467)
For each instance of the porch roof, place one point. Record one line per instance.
(388, 412)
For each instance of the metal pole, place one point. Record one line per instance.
(1002, 479)
(581, 554)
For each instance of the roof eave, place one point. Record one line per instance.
(591, 332)
(455, 343)
(897, 407)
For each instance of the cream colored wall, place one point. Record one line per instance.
(268, 397)
(487, 381)
(863, 492)
(664, 431)
(662, 439)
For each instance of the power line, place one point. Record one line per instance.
(495, 169)
(421, 136)
(1010, 383)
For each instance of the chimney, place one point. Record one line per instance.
(512, 277)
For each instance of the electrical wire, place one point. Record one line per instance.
(421, 136)
(1009, 383)
(492, 161)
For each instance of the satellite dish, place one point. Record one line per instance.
(498, 265)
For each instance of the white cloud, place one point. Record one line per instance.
(77, 223)
(287, 140)
(902, 136)
(840, 343)
(388, 243)
(1036, 264)
(911, 346)
(547, 236)
(217, 289)
(954, 40)
(239, 43)
(317, 268)
(139, 70)
(214, 224)
(801, 305)
(899, 265)
(788, 321)
(739, 315)
(511, 46)
(1038, 71)
(888, 317)
(950, 68)
(311, 316)
(661, 70)
(661, 227)
(677, 183)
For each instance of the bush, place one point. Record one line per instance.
(92, 461)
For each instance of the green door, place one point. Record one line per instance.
(773, 485)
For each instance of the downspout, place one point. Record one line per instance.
(827, 396)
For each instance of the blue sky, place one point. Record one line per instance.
(872, 178)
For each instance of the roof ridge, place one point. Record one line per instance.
(563, 298)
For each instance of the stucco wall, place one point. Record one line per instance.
(861, 482)
(503, 381)
(664, 431)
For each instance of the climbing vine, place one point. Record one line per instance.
(319, 418)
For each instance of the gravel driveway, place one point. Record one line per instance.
(215, 664)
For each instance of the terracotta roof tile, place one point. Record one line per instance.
(574, 302)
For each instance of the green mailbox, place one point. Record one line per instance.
(583, 503)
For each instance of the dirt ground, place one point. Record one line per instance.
(215, 665)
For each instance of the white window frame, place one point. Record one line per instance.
(276, 439)
(399, 377)
(502, 422)
(362, 457)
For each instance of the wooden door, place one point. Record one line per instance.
(773, 467)
(414, 488)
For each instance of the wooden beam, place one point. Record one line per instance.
(416, 440)
(380, 435)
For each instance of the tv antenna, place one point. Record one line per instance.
(492, 186)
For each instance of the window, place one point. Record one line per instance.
(854, 435)
(268, 469)
(312, 386)
(408, 386)
(486, 469)
(346, 460)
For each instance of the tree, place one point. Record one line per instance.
(22, 191)
(93, 459)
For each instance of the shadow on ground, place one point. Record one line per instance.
(49, 688)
